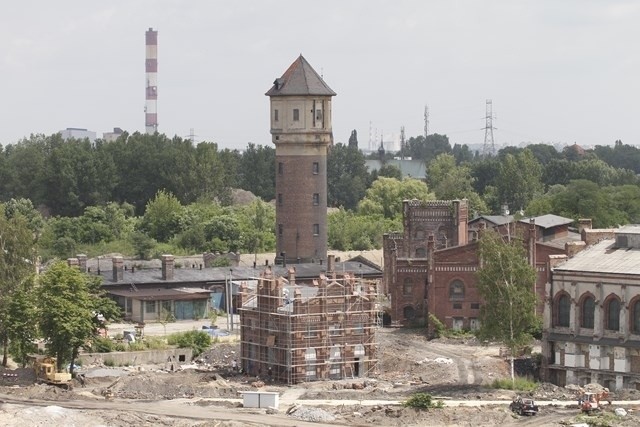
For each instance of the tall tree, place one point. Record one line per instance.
(162, 216)
(347, 176)
(71, 307)
(17, 263)
(257, 171)
(450, 182)
(519, 179)
(506, 284)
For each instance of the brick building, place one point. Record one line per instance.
(294, 332)
(430, 268)
(302, 133)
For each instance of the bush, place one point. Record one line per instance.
(422, 401)
(102, 345)
(120, 347)
(520, 384)
(198, 341)
(437, 326)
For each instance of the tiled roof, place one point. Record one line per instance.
(300, 79)
(549, 220)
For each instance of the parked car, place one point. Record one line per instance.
(523, 406)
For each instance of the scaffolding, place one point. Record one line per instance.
(297, 332)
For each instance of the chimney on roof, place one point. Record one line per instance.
(331, 259)
(167, 267)
(292, 276)
(72, 262)
(82, 262)
(118, 268)
(584, 224)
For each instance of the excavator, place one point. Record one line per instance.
(589, 402)
(45, 368)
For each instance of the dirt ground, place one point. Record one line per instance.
(207, 394)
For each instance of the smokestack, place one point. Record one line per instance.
(151, 74)
(167, 267)
(118, 268)
(330, 263)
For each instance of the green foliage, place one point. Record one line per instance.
(198, 341)
(599, 419)
(385, 196)
(69, 302)
(256, 171)
(349, 231)
(436, 326)
(519, 384)
(450, 182)
(519, 179)
(422, 401)
(347, 176)
(21, 328)
(506, 284)
(142, 244)
(427, 149)
(109, 362)
(161, 218)
(102, 345)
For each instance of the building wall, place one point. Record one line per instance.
(574, 354)
(301, 175)
(292, 340)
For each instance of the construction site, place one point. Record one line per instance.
(298, 332)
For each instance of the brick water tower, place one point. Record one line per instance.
(301, 131)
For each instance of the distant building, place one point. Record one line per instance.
(112, 136)
(408, 168)
(78, 133)
(591, 330)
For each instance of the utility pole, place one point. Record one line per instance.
(488, 148)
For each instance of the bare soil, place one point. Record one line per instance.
(448, 369)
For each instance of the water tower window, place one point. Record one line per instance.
(280, 168)
(275, 115)
(316, 168)
(316, 229)
(316, 199)
(296, 115)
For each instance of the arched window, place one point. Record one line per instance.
(409, 313)
(635, 312)
(587, 311)
(564, 307)
(421, 253)
(456, 290)
(407, 286)
(419, 233)
(613, 315)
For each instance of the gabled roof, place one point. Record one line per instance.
(300, 79)
(494, 219)
(548, 220)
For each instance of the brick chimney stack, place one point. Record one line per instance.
(118, 268)
(72, 262)
(168, 266)
(82, 262)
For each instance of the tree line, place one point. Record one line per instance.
(144, 194)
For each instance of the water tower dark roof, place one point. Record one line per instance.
(300, 79)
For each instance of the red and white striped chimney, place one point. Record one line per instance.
(151, 71)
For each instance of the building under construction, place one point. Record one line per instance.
(293, 332)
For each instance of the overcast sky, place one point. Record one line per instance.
(556, 71)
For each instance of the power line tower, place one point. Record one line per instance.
(489, 148)
(402, 143)
(426, 121)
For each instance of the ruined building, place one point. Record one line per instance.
(293, 332)
(301, 132)
(591, 329)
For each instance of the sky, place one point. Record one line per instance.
(558, 72)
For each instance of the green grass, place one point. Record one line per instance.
(520, 384)
(422, 401)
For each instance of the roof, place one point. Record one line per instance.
(604, 257)
(560, 242)
(160, 294)
(494, 219)
(548, 220)
(300, 79)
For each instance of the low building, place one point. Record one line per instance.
(292, 331)
(592, 315)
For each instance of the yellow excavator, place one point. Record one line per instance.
(46, 372)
